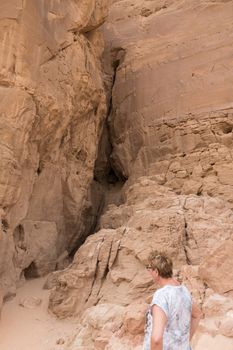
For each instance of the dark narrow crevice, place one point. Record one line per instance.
(31, 271)
(105, 171)
(226, 128)
(117, 59)
(40, 167)
(107, 179)
(93, 213)
(112, 177)
(118, 56)
(5, 225)
(18, 235)
(185, 244)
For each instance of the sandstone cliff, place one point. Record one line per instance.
(52, 103)
(163, 158)
(169, 136)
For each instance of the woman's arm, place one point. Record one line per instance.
(196, 317)
(159, 323)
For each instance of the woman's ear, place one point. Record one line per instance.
(156, 273)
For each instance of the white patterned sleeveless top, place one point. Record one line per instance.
(176, 302)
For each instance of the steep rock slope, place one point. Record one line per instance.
(172, 96)
(168, 64)
(52, 104)
(109, 269)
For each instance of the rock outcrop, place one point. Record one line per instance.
(216, 269)
(163, 157)
(52, 103)
(169, 85)
(110, 267)
(172, 96)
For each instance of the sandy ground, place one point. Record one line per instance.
(32, 329)
(22, 328)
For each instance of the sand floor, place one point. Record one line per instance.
(35, 329)
(32, 329)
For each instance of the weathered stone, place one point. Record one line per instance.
(30, 302)
(134, 319)
(63, 261)
(168, 122)
(33, 242)
(217, 305)
(97, 326)
(216, 270)
(168, 80)
(226, 327)
(110, 265)
(191, 279)
(52, 104)
(206, 341)
(60, 341)
(51, 280)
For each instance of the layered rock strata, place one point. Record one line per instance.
(172, 95)
(52, 103)
(168, 64)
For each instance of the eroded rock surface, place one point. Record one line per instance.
(216, 269)
(169, 81)
(110, 267)
(172, 96)
(52, 103)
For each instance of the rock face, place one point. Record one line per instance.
(52, 104)
(169, 84)
(104, 327)
(167, 80)
(172, 96)
(110, 267)
(216, 269)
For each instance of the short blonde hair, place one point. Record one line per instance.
(161, 262)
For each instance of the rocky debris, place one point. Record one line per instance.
(30, 302)
(168, 81)
(60, 341)
(51, 280)
(218, 316)
(79, 286)
(170, 120)
(217, 305)
(110, 265)
(104, 326)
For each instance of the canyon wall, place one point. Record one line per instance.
(168, 75)
(53, 105)
(161, 72)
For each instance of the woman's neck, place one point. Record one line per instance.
(168, 282)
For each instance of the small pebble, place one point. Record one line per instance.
(60, 341)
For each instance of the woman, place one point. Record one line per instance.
(172, 318)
